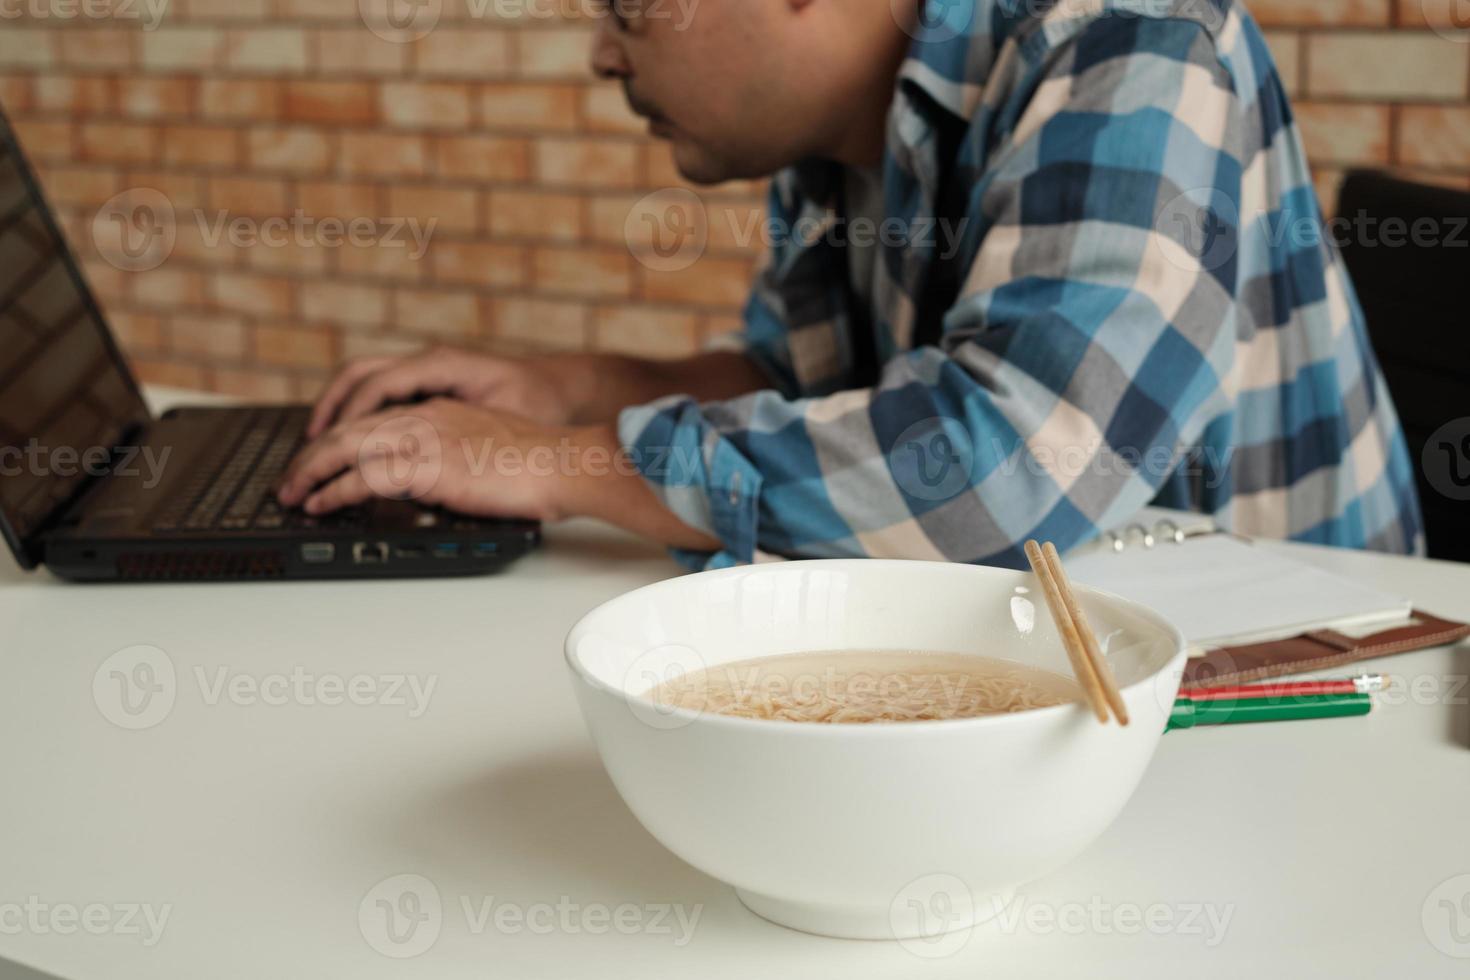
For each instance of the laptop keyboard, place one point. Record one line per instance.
(234, 488)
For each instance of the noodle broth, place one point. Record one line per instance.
(860, 687)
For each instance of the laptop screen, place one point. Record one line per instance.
(65, 396)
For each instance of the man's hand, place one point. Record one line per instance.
(535, 389)
(478, 461)
(441, 452)
(562, 389)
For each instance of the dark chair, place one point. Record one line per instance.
(1414, 285)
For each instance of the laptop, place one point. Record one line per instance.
(97, 489)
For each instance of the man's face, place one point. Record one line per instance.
(710, 77)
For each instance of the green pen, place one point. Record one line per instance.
(1188, 713)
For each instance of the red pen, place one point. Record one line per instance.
(1287, 689)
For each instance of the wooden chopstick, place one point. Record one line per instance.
(1089, 638)
(1087, 676)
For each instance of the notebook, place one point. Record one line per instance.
(1222, 590)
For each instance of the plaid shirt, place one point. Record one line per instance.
(1112, 289)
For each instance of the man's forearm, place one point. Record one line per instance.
(610, 488)
(602, 385)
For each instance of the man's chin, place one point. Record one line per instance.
(699, 167)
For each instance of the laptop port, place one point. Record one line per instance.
(485, 549)
(369, 552)
(410, 551)
(318, 552)
(446, 549)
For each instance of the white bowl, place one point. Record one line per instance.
(876, 831)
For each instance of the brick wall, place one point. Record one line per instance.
(232, 112)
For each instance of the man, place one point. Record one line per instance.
(1104, 297)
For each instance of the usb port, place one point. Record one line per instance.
(410, 551)
(369, 552)
(485, 549)
(446, 549)
(318, 552)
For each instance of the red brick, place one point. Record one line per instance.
(344, 304)
(482, 158)
(535, 215)
(169, 287)
(22, 47)
(295, 149)
(241, 99)
(474, 52)
(1387, 65)
(554, 53)
(182, 48)
(156, 98)
(539, 323)
(340, 103)
(47, 140)
(86, 187)
(94, 48)
(336, 199)
(79, 95)
(293, 345)
(119, 142)
(15, 93)
(583, 271)
(1344, 134)
(529, 107)
(261, 296)
(254, 385)
(385, 261)
(451, 210)
(384, 155)
(169, 374)
(645, 331)
(709, 281)
(1318, 13)
(136, 331)
(487, 264)
(419, 105)
(214, 147)
(438, 311)
(586, 162)
(222, 10)
(1435, 136)
(207, 335)
(248, 195)
(356, 51)
(266, 50)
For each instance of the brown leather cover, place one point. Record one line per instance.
(1318, 650)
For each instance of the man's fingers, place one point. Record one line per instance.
(347, 379)
(397, 383)
(347, 490)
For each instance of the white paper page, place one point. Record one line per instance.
(1218, 589)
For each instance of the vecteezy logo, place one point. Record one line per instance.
(932, 459)
(1446, 459)
(400, 21)
(401, 459)
(1197, 229)
(931, 916)
(649, 671)
(135, 687)
(937, 21)
(1445, 916)
(135, 231)
(667, 230)
(1450, 19)
(401, 916)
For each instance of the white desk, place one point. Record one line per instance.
(263, 827)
